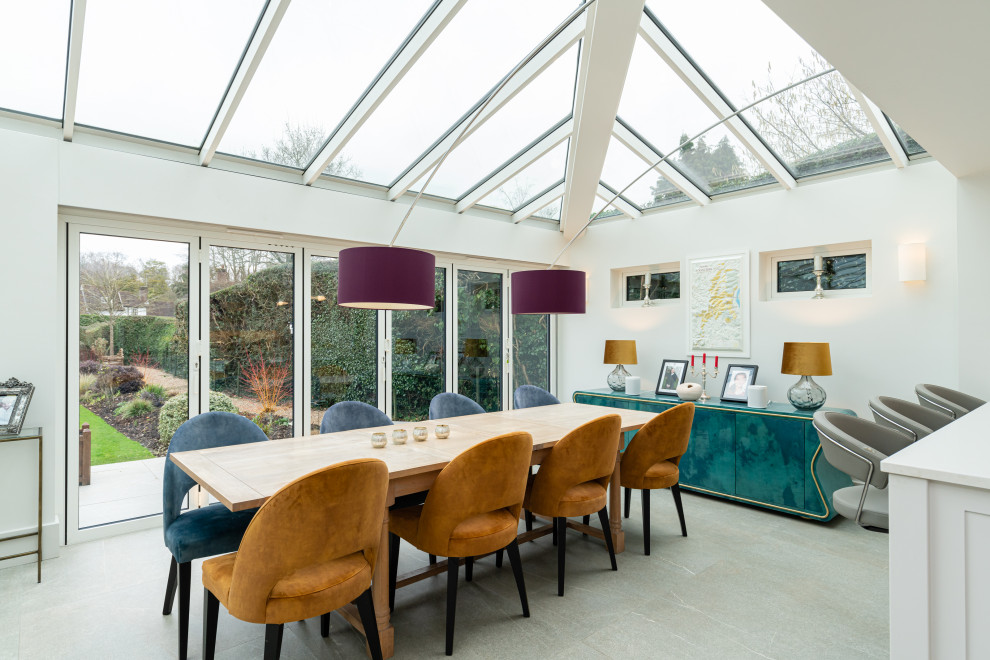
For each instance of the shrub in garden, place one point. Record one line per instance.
(154, 394)
(135, 408)
(176, 411)
(86, 382)
(89, 367)
(268, 381)
(126, 380)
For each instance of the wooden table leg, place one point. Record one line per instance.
(615, 509)
(379, 591)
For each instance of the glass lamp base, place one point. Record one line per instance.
(806, 394)
(617, 379)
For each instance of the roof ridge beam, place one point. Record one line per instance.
(253, 54)
(77, 23)
(610, 35)
(394, 71)
(639, 147)
(550, 53)
(620, 202)
(693, 78)
(882, 127)
(515, 166)
(539, 203)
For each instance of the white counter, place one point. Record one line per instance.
(940, 542)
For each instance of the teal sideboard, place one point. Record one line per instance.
(768, 457)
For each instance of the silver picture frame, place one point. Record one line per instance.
(15, 396)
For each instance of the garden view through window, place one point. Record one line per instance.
(841, 272)
(479, 332)
(419, 356)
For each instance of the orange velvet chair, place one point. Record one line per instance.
(289, 568)
(651, 461)
(472, 509)
(573, 480)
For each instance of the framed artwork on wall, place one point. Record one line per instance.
(738, 378)
(718, 304)
(672, 374)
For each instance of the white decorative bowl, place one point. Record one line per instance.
(689, 391)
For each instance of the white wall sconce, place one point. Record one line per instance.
(911, 262)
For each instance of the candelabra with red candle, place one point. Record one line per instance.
(704, 374)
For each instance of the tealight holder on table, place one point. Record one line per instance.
(420, 434)
(442, 431)
(379, 440)
(399, 436)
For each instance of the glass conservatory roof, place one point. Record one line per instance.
(374, 93)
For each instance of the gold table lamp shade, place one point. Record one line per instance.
(806, 359)
(620, 351)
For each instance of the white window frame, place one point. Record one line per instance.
(771, 259)
(645, 272)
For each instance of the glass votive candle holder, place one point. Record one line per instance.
(399, 436)
(378, 440)
(420, 434)
(442, 431)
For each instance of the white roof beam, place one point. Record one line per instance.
(77, 22)
(619, 203)
(560, 44)
(242, 77)
(650, 156)
(515, 166)
(610, 35)
(541, 202)
(386, 82)
(881, 126)
(687, 72)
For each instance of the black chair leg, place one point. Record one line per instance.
(452, 566)
(560, 525)
(628, 500)
(498, 558)
(325, 625)
(603, 518)
(393, 567)
(516, 562)
(433, 560)
(273, 640)
(555, 531)
(211, 609)
(646, 521)
(173, 576)
(587, 521)
(676, 491)
(366, 608)
(185, 573)
(529, 520)
(469, 568)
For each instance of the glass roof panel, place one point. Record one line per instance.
(610, 212)
(910, 145)
(33, 40)
(664, 111)
(622, 165)
(551, 211)
(539, 106)
(482, 43)
(546, 172)
(286, 115)
(748, 53)
(160, 69)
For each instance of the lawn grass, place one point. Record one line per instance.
(110, 445)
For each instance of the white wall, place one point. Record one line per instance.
(973, 194)
(882, 344)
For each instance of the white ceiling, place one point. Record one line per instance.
(925, 63)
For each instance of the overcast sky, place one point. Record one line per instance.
(159, 69)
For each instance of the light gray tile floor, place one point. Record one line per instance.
(746, 583)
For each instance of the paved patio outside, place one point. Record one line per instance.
(119, 491)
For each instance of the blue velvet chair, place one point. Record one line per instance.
(210, 530)
(531, 396)
(449, 404)
(350, 415)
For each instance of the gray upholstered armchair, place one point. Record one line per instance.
(951, 402)
(908, 417)
(856, 446)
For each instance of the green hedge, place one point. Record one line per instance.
(133, 334)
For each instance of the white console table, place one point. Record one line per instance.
(940, 542)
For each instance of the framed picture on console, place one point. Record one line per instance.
(738, 378)
(14, 399)
(672, 374)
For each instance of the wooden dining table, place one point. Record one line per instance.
(244, 476)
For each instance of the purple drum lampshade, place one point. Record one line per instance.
(386, 278)
(548, 292)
